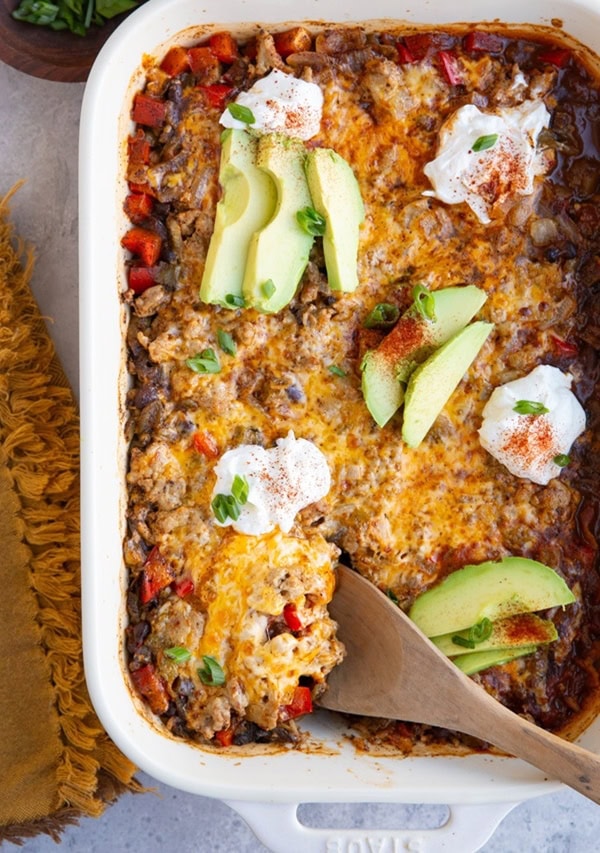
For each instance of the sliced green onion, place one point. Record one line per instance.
(268, 288)
(178, 653)
(481, 631)
(311, 221)
(235, 301)
(529, 407)
(224, 507)
(463, 641)
(562, 460)
(337, 371)
(205, 362)
(241, 113)
(226, 342)
(424, 301)
(212, 672)
(482, 143)
(240, 489)
(383, 316)
(392, 596)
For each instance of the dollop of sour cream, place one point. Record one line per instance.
(505, 164)
(281, 103)
(528, 444)
(281, 481)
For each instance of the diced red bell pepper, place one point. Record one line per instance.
(152, 687)
(140, 279)
(419, 44)
(405, 57)
(138, 207)
(225, 736)
(138, 148)
(555, 56)
(290, 615)
(157, 574)
(144, 243)
(250, 49)
(183, 587)
(224, 47)
(216, 94)
(176, 61)
(202, 60)
(140, 188)
(450, 67)
(148, 110)
(481, 41)
(301, 703)
(564, 347)
(294, 40)
(204, 443)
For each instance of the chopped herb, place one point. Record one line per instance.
(226, 342)
(482, 143)
(424, 301)
(178, 653)
(240, 489)
(481, 631)
(392, 596)
(530, 407)
(337, 371)
(268, 288)
(383, 316)
(463, 641)
(212, 672)
(205, 362)
(477, 634)
(224, 507)
(74, 15)
(235, 301)
(241, 113)
(562, 460)
(311, 221)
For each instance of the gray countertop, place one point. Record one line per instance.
(38, 143)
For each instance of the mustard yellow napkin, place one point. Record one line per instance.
(56, 761)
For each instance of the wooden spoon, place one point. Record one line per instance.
(393, 670)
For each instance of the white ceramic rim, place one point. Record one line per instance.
(335, 772)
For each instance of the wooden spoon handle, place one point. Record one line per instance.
(575, 766)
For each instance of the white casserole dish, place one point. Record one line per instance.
(479, 789)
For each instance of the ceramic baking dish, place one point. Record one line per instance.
(264, 788)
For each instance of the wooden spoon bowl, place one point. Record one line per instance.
(393, 670)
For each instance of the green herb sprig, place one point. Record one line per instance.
(530, 407)
(241, 113)
(74, 15)
(311, 221)
(477, 634)
(205, 362)
(482, 143)
(229, 506)
(424, 301)
(212, 672)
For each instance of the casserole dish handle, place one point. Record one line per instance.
(466, 830)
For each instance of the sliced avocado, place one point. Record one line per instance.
(477, 661)
(411, 341)
(525, 629)
(246, 205)
(431, 385)
(336, 196)
(278, 253)
(488, 590)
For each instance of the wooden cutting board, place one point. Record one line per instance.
(42, 52)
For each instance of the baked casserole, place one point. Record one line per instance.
(229, 639)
